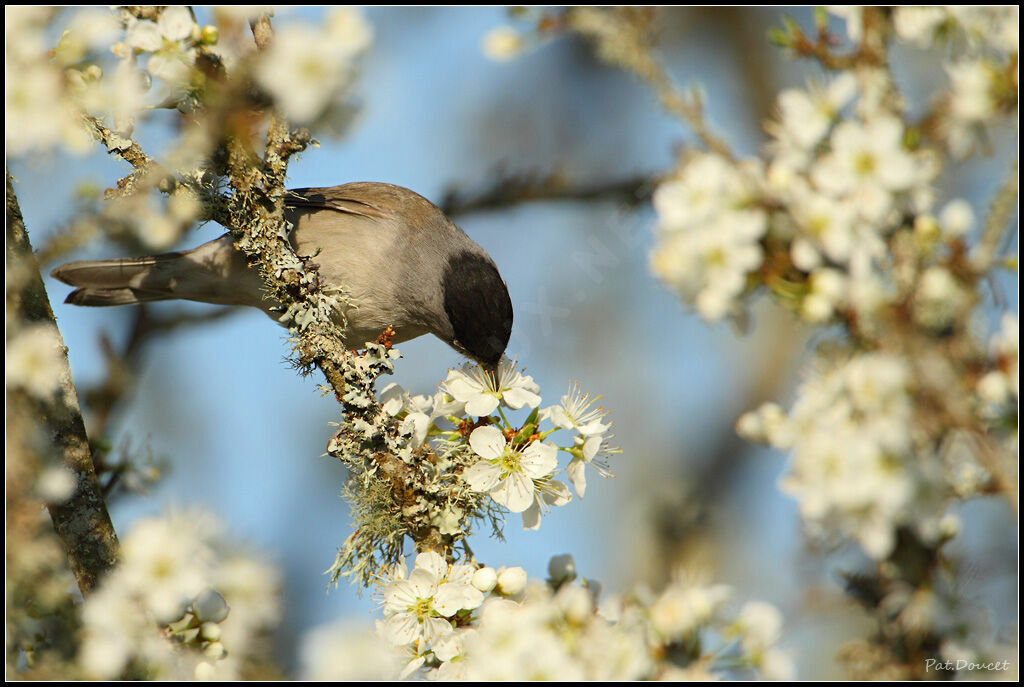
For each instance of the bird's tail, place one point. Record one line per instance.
(123, 281)
(211, 273)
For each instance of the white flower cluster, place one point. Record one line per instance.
(983, 26)
(833, 191)
(307, 67)
(37, 110)
(163, 612)
(515, 464)
(852, 468)
(842, 174)
(981, 80)
(710, 223)
(466, 622)
(169, 43)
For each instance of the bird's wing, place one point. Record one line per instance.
(338, 198)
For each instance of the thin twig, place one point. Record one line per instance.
(997, 221)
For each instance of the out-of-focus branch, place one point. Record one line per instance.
(870, 52)
(509, 190)
(103, 399)
(682, 532)
(997, 221)
(81, 522)
(148, 173)
(622, 37)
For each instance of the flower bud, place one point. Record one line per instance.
(209, 35)
(210, 632)
(215, 651)
(210, 606)
(576, 604)
(511, 581)
(562, 569)
(485, 579)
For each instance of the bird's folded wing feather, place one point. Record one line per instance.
(346, 199)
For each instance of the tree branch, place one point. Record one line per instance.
(509, 190)
(81, 522)
(997, 221)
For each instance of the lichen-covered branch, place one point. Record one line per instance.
(82, 521)
(150, 174)
(368, 441)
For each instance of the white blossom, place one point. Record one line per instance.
(347, 651)
(588, 450)
(939, 298)
(956, 218)
(34, 360)
(511, 581)
(997, 26)
(760, 626)
(919, 25)
(485, 579)
(575, 412)
(169, 41)
(850, 435)
(56, 485)
(482, 392)
(507, 473)
(307, 67)
(972, 103)
(805, 116)
(709, 227)
(417, 608)
(682, 608)
(866, 165)
(548, 492)
(169, 565)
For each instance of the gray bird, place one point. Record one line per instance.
(399, 260)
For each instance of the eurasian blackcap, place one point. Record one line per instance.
(396, 258)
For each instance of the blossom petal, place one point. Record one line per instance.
(435, 627)
(461, 386)
(532, 515)
(539, 459)
(575, 472)
(452, 597)
(403, 594)
(432, 563)
(591, 446)
(481, 405)
(515, 492)
(483, 476)
(519, 396)
(423, 583)
(487, 442)
(401, 629)
(556, 493)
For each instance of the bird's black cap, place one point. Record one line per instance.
(478, 307)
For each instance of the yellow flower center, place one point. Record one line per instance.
(864, 163)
